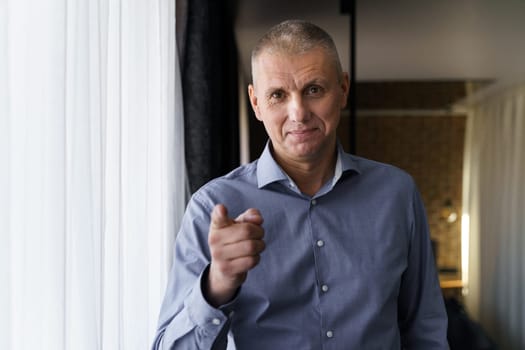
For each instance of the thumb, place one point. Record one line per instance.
(219, 217)
(251, 215)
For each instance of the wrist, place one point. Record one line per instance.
(215, 291)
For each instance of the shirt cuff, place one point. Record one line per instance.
(210, 319)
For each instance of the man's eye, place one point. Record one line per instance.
(314, 90)
(277, 95)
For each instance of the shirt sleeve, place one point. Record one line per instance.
(186, 319)
(421, 310)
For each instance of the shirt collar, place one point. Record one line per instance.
(268, 171)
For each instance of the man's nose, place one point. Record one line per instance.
(297, 109)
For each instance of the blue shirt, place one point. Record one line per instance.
(349, 268)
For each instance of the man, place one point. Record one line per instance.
(308, 247)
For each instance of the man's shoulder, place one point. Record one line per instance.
(367, 164)
(237, 183)
(241, 173)
(373, 169)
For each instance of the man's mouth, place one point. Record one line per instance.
(301, 134)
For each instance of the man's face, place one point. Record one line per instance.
(299, 99)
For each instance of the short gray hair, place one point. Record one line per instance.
(296, 37)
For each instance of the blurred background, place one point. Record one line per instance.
(112, 113)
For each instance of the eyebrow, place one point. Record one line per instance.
(314, 81)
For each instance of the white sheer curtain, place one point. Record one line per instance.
(91, 176)
(494, 200)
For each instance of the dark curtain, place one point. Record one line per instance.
(210, 90)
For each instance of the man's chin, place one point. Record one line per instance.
(305, 152)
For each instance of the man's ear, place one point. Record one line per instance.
(254, 101)
(345, 87)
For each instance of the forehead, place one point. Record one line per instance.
(275, 66)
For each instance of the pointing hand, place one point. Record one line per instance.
(235, 247)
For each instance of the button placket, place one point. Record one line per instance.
(324, 288)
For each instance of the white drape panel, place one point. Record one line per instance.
(494, 197)
(92, 176)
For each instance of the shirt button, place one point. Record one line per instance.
(329, 334)
(320, 243)
(314, 202)
(324, 288)
(216, 321)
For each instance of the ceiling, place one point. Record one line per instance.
(407, 39)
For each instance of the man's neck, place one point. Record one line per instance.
(310, 175)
